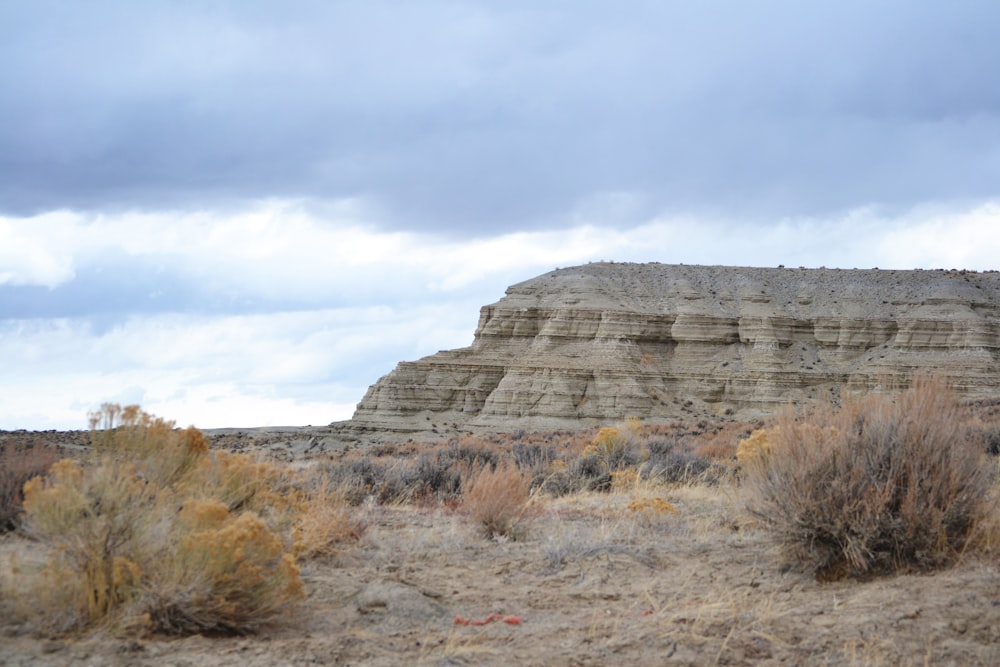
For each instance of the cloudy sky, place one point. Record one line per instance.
(243, 213)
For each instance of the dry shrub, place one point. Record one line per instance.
(245, 484)
(422, 474)
(887, 483)
(498, 500)
(18, 464)
(669, 464)
(625, 480)
(229, 573)
(165, 453)
(100, 522)
(161, 535)
(720, 449)
(325, 523)
(722, 444)
(357, 477)
(613, 449)
(562, 479)
(652, 512)
(618, 457)
(617, 448)
(758, 444)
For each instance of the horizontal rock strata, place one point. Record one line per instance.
(600, 342)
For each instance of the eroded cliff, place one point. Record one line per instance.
(600, 342)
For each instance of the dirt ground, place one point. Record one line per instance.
(593, 583)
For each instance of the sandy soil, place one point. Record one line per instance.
(593, 583)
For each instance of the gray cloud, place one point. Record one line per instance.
(240, 211)
(478, 117)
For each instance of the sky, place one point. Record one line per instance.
(243, 213)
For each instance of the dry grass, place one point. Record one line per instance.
(888, 482)
(498, 501)
(325, 523)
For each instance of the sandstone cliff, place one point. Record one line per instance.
(600, 342)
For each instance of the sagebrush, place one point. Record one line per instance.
(887, 482)
(155, 532)
(498, 501)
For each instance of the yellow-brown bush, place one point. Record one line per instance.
(625, 480)
(655, 505)
(617, 448)
(155, 532)
(887, 482)
(164, 454)
(325, 522)
(99, 522)
(245, 484)
(498, 501)
(755, 446)
(228, 573)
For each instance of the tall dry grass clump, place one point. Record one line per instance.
(325, 522)
(886, 483)
(157, 533)
(498, 500)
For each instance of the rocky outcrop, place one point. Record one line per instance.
(604, 341)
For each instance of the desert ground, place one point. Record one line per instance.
(597, 577)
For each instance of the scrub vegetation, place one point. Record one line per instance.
(883, 483)
(701, 543)
(152, 532)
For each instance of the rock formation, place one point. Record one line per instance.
(596, 343)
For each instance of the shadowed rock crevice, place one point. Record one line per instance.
(600, 342)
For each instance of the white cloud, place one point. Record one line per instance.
(39, 403)
(36, 252)
(923, 237)
(310, 355)
(263, 369)
(932, 238)
(279, 249)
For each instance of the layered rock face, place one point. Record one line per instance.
(597, 343)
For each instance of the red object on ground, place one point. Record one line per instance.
(509, 620)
